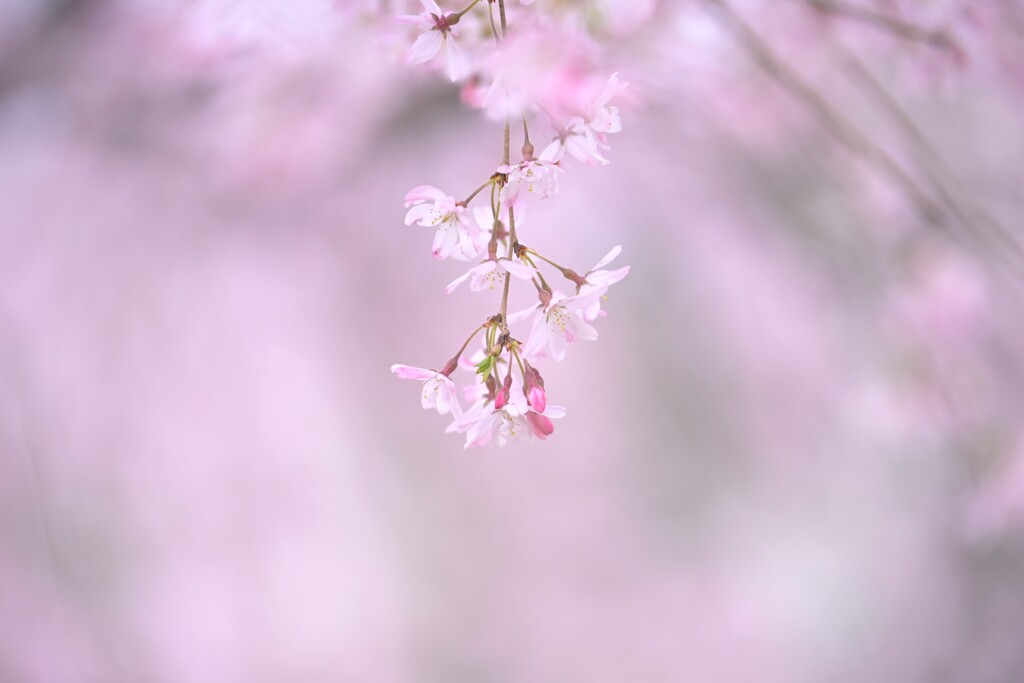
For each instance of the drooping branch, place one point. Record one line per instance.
(830, 118)
(895, 26)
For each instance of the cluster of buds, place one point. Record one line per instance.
(507, 399)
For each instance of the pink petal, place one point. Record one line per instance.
(444, 242)
(445, 397)
(608, 258)
(581, 329)
(457, 281)
(482, 432)
(607, 278)
(520, 270)
(586, 297)
(557, 343)
(420, 213)
(422, 193)
(425, 47)
(553, 152)
(457, 65)
(421, 22)
(540, 425)
(522, 315)
(410, 372)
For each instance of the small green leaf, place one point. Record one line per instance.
(484, 366)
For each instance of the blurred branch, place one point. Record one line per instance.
(892, 25)
(827, 115)
(957, 198)
(17, 56)
(949, 211)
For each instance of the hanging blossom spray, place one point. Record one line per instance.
(508, 398)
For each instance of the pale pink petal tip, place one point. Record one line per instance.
(542, 427)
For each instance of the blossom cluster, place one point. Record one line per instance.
(507, 399)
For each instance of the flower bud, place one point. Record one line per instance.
(501, 398)
(537, 399)
(533, 389)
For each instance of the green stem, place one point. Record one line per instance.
(458, 15)
(467, 200)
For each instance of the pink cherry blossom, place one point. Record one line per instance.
(578, 140)
(458, 234)
(604, 118)
(491, 274)
(585, 139)
(438, 389)
(560, 323)
(597, 278)
(437, 29)
(538, 176)
(542, 68)
(512, 422)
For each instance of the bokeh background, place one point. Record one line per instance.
(795, 454)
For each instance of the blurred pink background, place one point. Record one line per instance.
(794, 455)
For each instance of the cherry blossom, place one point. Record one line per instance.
(437, 29)
(537, 176)
(490, 274)
(513, 421)
(604, 118)
(458, 234)
(585, 139)
(597, 278)
(578, 140)
(534, 71)
(560, 323)
(438, 388)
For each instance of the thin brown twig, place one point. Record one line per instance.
(511, 213)
(490, 16)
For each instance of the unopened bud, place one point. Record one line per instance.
(500, 399)
(533, 389)
(503, 394)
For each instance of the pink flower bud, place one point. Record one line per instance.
(533, 389)
(537, 399)
(502, 396)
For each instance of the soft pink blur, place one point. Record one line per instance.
(796, 453)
